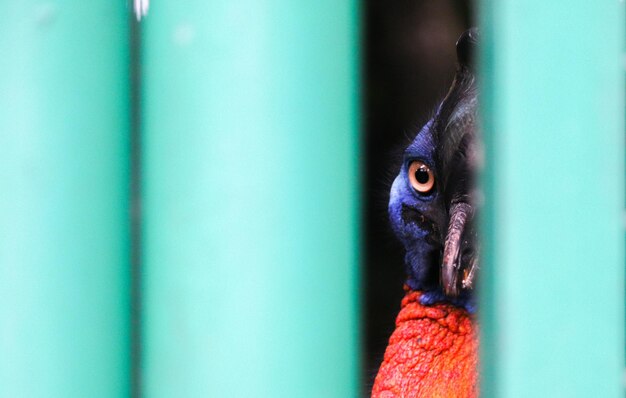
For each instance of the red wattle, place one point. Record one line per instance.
(433, 352)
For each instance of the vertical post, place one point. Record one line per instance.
(250, 199)
(64, 201)
(553, 110)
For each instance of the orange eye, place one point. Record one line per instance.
(421, 177)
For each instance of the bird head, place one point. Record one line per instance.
(433, 200)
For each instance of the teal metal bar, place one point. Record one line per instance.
(553, 111)
(250, 199)
(64, 268)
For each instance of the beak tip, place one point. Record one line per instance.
(449, 285)
(451, 291)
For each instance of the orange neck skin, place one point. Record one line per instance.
(433, 352)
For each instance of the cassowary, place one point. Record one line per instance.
(433, 352)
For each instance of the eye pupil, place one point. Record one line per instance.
(421, 175)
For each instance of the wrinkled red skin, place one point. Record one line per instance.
(433, 352)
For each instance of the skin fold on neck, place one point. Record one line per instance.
(433, 352)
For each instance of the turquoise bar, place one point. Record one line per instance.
(251, 199)
(553, 110)
(64, 269)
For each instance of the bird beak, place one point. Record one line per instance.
(451, 268)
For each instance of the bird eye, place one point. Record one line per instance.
(421, 176)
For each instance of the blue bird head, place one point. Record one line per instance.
(433, 200)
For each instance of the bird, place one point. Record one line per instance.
(433, 206)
